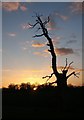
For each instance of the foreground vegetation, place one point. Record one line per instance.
(44, 101)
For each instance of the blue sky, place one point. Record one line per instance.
(25, 59)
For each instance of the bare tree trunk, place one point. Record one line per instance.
(61, 77)
(51, 50)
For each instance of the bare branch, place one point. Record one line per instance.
(70, 74)
(48, 76)
(33, 25)
(49, 51)
(36, 15)
(73, 73)
(47, 21)
(65, 66)
(53, 82)
(38, 35)
(69, 65)
(48, 18)
(39, 20)
(40, 15)
(48, 44)
(38, 29)
(76, 75)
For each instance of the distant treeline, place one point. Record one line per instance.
(28, 85)
(42, 97)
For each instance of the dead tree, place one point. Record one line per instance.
(61, 78)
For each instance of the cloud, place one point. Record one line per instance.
(25, 45)
(52, 24)
(46, 51)
(25, 26)
(80, 70)
(73, 36)
(63, 17)
(37, 53)
(76, 7)
(64, 51)
(37, 44)
(11, 6)
(42, 54)
(24, 48)
(71, 41)
(59, 51)
(56, 40)
(23, 7)
(12, 34)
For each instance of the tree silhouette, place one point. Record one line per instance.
(61, 78)
(13, 87)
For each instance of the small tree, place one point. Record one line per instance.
(13, 87)
(61, 78)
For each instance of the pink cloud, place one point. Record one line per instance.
(37, 53)
(59, 51)
(76, 7)
(38, 44)
(23, 7)
(25, 26)
(64, 51)
(12, 34)
(51, 25)
(43, 54)
(11, 6)
(63, 17)
(81, 70)
(56, 40)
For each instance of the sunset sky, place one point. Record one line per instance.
(25, 59)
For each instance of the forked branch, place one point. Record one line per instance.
(69, 65)
(66, 64)
(48, 76)
(77, 74)
(66, 68)
(47, 21)
(73, 73)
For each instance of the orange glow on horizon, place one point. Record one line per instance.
(33, 77)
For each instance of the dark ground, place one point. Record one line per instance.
(47, 102)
